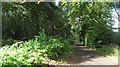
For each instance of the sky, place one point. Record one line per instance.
(57, 1)
(115, 18)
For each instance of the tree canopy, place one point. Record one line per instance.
(35, 32)
(87, 22)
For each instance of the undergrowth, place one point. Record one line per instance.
(32, 52)
(108, 50)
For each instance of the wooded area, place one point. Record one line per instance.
(33, 31)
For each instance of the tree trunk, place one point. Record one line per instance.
(86, 39)
(0, 24)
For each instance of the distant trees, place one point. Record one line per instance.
(91, 22)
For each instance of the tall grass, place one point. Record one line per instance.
(108, 50)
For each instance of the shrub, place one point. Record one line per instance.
(33, 51)
(20, 54)
(57, 48)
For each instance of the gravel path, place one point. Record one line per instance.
(85, 56)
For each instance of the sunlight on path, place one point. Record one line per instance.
(101, 61)
(85, 56)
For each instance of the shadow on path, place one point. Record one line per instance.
(86, 56)
(81, 54)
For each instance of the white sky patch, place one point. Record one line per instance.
(57, 2)
(115, 18)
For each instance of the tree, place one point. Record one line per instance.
(25, 20)
(91, 20)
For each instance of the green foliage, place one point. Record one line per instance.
(108, 51)
(91, 22)
(33, 51)
(87, 22)
(118, 38)
(56, 49)
(20, 54)
(23, 21)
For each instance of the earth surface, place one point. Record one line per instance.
(85, 57)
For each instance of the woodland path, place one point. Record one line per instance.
(86, 57)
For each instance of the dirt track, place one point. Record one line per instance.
(85, 56)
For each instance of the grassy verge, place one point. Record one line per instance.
(108, 50)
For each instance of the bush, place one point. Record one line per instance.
(20, 54)
(33, 51)
(57, 49)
